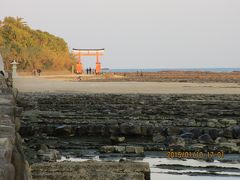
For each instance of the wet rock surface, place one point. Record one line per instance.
(154, 122)
(122, 149)
(125, 126)
(49, 155)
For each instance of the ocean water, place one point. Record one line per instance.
(177, 69)
(157, 173)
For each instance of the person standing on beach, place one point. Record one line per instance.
(39, 72)
(90, 70)
(34, 72)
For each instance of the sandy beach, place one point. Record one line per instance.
(40, 84)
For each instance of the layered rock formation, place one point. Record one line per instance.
(13, 165)
(155, 122)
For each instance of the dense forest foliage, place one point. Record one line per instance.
(32, 49)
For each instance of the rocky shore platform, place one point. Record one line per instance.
(179, 76)
(127, 124)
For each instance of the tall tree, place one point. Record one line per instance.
(32, 48)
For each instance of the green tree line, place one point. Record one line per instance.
(32, 48)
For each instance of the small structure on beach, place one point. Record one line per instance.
(79, 53)
(14, 68)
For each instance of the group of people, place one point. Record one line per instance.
(139, 73)
(90, 71)
(36, 72)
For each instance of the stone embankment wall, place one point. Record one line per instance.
(155, 122)
(12, 162)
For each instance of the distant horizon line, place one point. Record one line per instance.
(182, 68)
(171, 69)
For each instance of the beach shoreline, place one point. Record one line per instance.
(42, 84)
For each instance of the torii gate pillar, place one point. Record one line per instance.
(98, 64)
(79, 66)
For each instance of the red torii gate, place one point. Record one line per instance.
(88, 52)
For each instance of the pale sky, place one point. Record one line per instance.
(141, 33)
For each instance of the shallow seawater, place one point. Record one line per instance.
(158, 173)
